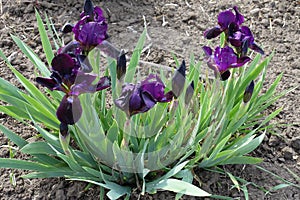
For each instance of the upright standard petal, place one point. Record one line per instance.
(69, 110)
(224, 58)
(63, 64)
(225, 18)
(239, 19)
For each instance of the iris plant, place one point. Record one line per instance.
(69, 77)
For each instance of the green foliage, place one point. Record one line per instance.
(155, 150)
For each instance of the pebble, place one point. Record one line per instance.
(296, 144)
(273, 141)
(255, 11)
(287, 153)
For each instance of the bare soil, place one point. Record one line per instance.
(173, 26)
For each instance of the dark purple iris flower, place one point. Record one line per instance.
(91, 29)
(226, 19)
(69, 77)
(223, 59)
(143, 96)
(242, 38)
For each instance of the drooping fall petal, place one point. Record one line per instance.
(69, 110)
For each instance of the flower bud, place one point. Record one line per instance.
(121, 65)
(179, 80)
(248, 92)
(189, 93)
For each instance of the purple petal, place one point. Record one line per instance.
(98, 17)
(103, 83)
(123, 101)
(207, 50)
(136, 102)
(225, 75)
(67, 28)
(241, 61)
(225, 18)
(49, 83)
(256, 48)
(83, 83)
(148, 102)
(63, 64)
(212, 33)
(85, 64)
(71, 48)
(69, 110)
(92, 34)
(224, 58)
(239, 19)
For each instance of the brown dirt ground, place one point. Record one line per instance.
(173, 26)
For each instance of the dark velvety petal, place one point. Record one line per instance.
(121, 65)
(233, 29)
(178, 80)
(225, 75)
(224, 58)
(123, 101)
(88, 8)
(92, 34)
(78, 25)
(67, 28)
(189, 93)
(103, 83)
(239, 19)
(225, 18)
(256, 48)
(248, 92)
(207, 50)
(69, 110)
(235, 42)
(148, 102)
(98, 15)
(245, 46)
(85, 64)
(212, 33)
(136, 101)
(48, 82)
(63, 64)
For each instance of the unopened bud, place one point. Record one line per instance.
(248, 92)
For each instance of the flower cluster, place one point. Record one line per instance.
(238, 36)
(91, 29)
(71, 69)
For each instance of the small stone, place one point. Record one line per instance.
(59, 194)
(296, 144)
(255, 11)
(273, 141)
(281, 159)
(29, 8)
(287, 153)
